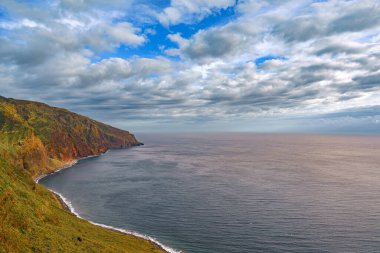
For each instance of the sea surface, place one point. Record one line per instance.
(236, 193)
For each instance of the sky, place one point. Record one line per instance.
(198, 65)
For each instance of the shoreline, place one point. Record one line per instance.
(66, 166)
(67, 206)
(61, 201)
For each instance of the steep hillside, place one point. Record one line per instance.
(41, 138)
(36, 139)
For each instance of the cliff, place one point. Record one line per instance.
(42, 138)
(36, 139)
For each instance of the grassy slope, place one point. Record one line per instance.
(35, 139)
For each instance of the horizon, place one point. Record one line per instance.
(308, 67)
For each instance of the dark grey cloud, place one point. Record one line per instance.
(351, 16)
(358, 19)
(299, 29)
(368, 82)
(339, 48)
(213, 44)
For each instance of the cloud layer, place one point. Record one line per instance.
(270, 62)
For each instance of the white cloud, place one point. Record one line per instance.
(125, 33)
(23, 23)
(170, 16)
(188, 11)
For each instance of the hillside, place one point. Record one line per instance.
(36, 139)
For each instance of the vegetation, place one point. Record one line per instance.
(36, 139)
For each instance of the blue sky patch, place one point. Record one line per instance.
(158, 41)
(260, 61)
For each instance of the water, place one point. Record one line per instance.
(236, 192)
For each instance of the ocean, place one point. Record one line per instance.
(235, 192)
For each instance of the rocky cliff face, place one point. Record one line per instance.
(36, 139)
(41, 138)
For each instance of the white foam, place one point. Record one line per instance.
(72, 210)
(146, 237)
(67, 202)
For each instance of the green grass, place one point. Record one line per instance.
(31, 218)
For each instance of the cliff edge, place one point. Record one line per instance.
(36, 139)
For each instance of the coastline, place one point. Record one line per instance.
(66, 166)
(67, 206)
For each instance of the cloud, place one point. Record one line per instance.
(109, 36)
(328, 18)
(24, 23)
(85, 5)
(274, 59)
(371, 81)
(212, 45)
(215, 43)
(357, 17)
(93, 25)
(186, 11)
(355, 120)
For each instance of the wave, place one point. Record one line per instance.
(121, 230)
